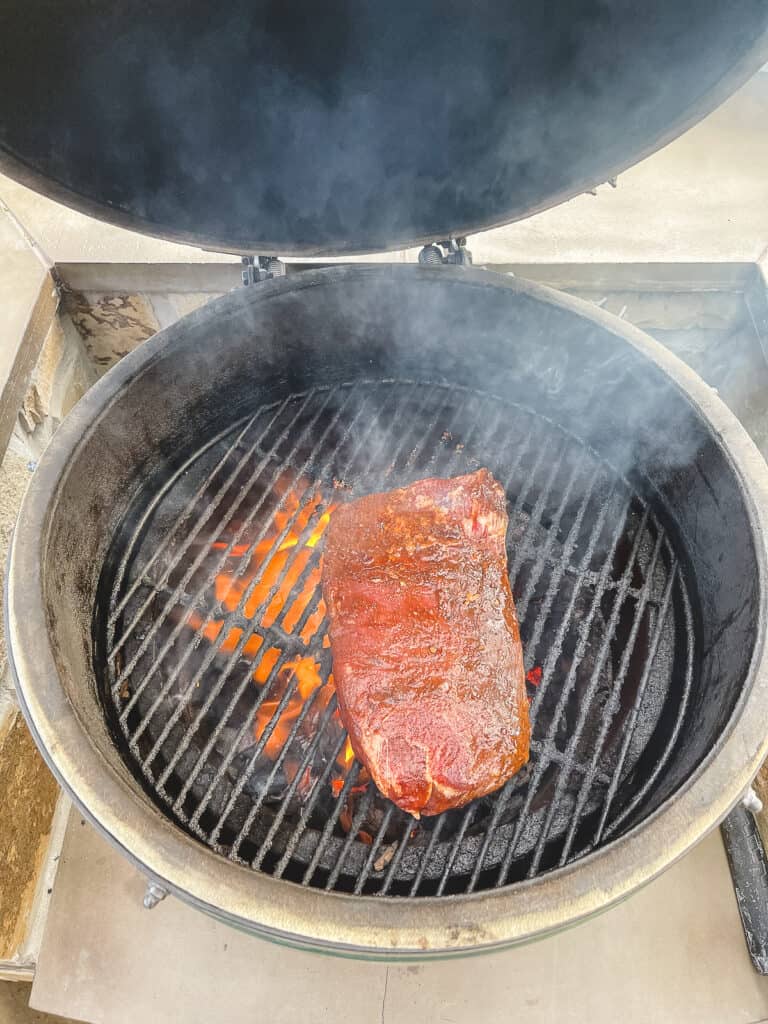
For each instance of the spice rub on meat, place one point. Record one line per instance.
(426, 649)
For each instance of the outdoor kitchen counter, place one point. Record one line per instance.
(674, 952)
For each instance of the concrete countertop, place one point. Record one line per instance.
(674, 952)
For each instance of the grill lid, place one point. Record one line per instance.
(351, 127)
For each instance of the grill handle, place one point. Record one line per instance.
(749, 870)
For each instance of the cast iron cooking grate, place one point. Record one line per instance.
(216, 674)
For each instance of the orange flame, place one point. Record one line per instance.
(269, 565)
(307, 673)
(269, 560)
(347, 756)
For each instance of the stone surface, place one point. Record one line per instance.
(28, 795)
(15, 1008)
(110, 325)
(173, 963)
(63, 373)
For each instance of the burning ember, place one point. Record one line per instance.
(534, 676)
(307, 673)
(260, 588)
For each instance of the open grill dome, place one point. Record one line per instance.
(345, 126)
(167, 629)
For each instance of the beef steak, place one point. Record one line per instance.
(426, 648)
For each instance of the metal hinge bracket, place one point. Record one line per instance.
(261, 268)
(453, 251)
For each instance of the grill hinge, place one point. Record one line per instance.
(261, 268)
(452, 251)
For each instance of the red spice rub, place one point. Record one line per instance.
(426, 648)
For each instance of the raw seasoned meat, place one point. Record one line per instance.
(426, 649)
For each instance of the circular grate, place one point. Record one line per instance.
(217, 678)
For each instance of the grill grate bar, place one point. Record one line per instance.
(188, 509)
(631, 722)
(306, 811)
(573, 535)
(288, 694)
(362, 878)
(450, 860)
(330, 824)
(276, 765)
(439, 453)
(382, 435)
(247, 726)
(262, 694)
(547, 672)
(210, 654)
(613, 701)
(547, 749)
(682, 709)
(427, 856)
(523, 493)
(563, 567)
(394, 864)
(541, 501)
(583, 578)
(185, 547)
(250, 625)
(570, 680)
(490, 833)
(684, 695)
(294, 785)
(358, 819)
(194, 566)
(245, 683)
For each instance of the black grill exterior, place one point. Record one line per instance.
(163, 598)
